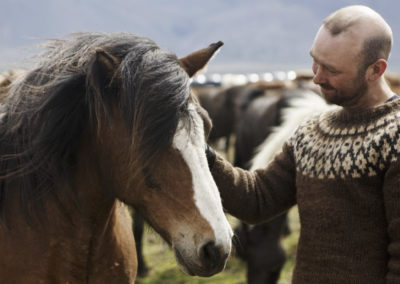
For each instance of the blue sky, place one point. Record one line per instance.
(258, 35)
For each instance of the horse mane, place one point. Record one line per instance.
(299, 110)
(47, 108)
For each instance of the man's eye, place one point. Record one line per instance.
(332, 71)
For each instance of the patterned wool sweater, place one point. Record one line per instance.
(342, 169)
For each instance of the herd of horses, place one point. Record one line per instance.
(104, 121)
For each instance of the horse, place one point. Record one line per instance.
(276, 120)
(224, 106)
(258, 116)
(296, 109)
(103, 121)
(260, 246)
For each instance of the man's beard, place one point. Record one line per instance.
(348, 96)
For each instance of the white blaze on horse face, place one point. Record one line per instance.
(206, 195)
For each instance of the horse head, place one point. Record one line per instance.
(150, 150)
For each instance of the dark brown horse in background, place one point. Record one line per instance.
(264, 123)
(105, 120)
(225, 105)
(260, 245)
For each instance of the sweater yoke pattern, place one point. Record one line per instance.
(330, 147)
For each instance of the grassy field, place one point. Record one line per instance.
(164, 269)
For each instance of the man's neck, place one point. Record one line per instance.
(374, 96)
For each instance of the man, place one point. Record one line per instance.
(342, 168)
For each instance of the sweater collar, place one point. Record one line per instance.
(342, 115)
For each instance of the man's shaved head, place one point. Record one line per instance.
(362, 21)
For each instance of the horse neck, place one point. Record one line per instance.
(92, 187)
(105, 171)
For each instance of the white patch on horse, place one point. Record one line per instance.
(206, 194)
(2, 112)
(298, 111)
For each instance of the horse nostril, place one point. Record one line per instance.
(210, 253)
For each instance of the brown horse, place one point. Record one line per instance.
(105, 120)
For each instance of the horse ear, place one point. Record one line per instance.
(197, 60)
(104, 68)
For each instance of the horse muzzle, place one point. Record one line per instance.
(208, 260)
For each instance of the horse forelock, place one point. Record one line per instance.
(154, 99)
(48, 108)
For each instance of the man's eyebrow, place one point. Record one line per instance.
(327, 66)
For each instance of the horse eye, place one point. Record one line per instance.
(150, 181)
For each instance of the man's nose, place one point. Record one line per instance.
(319, 77)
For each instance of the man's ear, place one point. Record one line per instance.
(376, 70)
(197, 60)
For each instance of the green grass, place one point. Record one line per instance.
(163, 268)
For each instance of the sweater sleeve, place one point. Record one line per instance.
(391, 193)
(257, 196)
